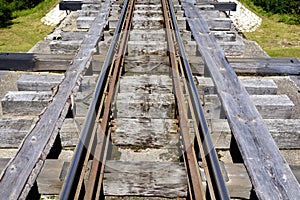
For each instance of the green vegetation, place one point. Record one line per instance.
(5, 14)
(22, 4)
(26, 29)
(278, 39)
(7, 7)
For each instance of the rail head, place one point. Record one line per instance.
(208, 147)
(21, 172)
(269, 172)
(70, 183)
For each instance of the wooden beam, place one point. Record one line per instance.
(258, 66)
(266, 66)
(34, 62)
(269, 172)
(60, 62)
(20, 174)
(51, 178)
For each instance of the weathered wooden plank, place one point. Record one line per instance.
(38, 82)
(238, 184)
(34, 62)
(266, 66)
(72, 35)
(220, 133)
(146, 84)
(18, 103)
(19, 176)
(3, 163)
(219, 24)
(160, 179)
(270, 175)
(137, 48)
(146, 35)
(53, 173)
(261, 66)
(64, 47)
(2, 74)
(70, 131)
(273, 106)
(147, 23)
(253, 85)
(268, 106)
(152, 64)
(50, 180)
(16, 61)
(13, 131)
(146, 133)
(60, 62)
(286, 132)
(157, 106)
(84, 22)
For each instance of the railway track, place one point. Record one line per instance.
(158, 119)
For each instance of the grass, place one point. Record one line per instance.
(276, 38)
(26, 29)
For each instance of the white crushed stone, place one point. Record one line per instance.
(243, 19)
(54, 17)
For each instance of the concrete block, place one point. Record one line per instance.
(209, 14)
(163, 179)
(146, 133)
(13, 131)
(141, 7)
(149, 64)
(156, 106)
(219, 24)
(181, 22)
(147, 47)
(84, 22)
(28, 82)
(235, 48)
(147, 13)
(224, 36)
(64, 47)
(72, 35)
(269, 106)
(190, 47)
(146, 84)
(147, 23)
(25, 102)
(253, 85)
(147, 35)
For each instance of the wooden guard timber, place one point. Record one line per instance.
(269, 172)
(200, 106)
(26, 165)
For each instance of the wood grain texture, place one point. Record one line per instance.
(269, 172)
(17, 179)
(160, 179)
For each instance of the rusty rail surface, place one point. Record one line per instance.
(182, 71)
(97, 126)
(21, 172)
(268, 170)
(94, 141)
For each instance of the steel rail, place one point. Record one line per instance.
(104, 127)
(193, 171)
(76, 166)
(211, 156)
